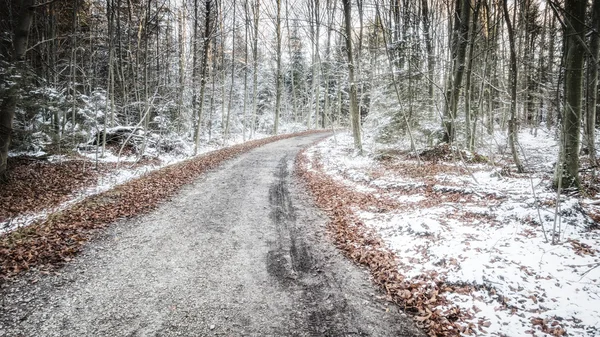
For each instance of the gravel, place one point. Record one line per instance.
(240, 252)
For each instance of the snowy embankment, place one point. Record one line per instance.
(484, 231)
(115, 170)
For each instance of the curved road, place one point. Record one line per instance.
(241, 252)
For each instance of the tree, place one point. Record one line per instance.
(354, 113)
(278, 75)
(512, 123)
(460, 39)
(567, 168)
(17, 64)
(592, 83)
(203, 73)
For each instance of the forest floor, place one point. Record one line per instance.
(462, 241)
(458, 240)
(239, 251)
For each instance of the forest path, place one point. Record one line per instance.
(240, 252)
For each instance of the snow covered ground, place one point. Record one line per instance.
(483, 227)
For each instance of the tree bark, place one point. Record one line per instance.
(592, 87)
(567, 169)
(354, 113)
(430, 55)
(469, 127)
(256, 14)
(206, 43)
(459, 52)
(512, 123)
(278, 75)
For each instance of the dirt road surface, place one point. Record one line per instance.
(241, 252)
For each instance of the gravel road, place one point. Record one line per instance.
(240, 252)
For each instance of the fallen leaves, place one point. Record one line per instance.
(581, 248)
(419, 298)
(38, 184)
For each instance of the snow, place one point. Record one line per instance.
(486, 230)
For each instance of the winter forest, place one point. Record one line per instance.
(169, 72)
(462, 144)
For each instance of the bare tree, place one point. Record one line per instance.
(592, 83)
(567, 169)
(460, 35)
(278, 75)
(208, 8)
(512, 123)
(354, 113)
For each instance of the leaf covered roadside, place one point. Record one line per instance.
(366, 248)
(37, 184)
(50, 243)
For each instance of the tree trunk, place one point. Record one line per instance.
(256, 13)
(9, 103)
(354, 113)
(430, 55)
(567, 170)
(206, 43)
(592, 87)
(459, 51)
(469, 129)
(246, 42)
(512, 123)
(278, 75)
(230, 101)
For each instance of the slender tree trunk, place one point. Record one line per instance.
(354, 113)
(290, 52)
(195, 66)
(230, 101)
(592, 87)
(182, 38)
(246, 42)
(552, 108)
(430, 55)
(469, 130)
(203, 75)
(278, 75)
(256, 13)
(512, 123)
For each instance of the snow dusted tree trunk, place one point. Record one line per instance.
(567, 169)
(512, 123)
(9, 102)
(469, 122)
(326, 68)
(315, 27)
(195, 69)
(230, 101)
(182, 37)
(205, 43)
(592, 87)
(256, 13)
(460, 36)
(354, 113)
(426, 18)
(292, 75)
(278, 75)
(246, 42)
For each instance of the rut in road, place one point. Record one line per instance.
(241, 252)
